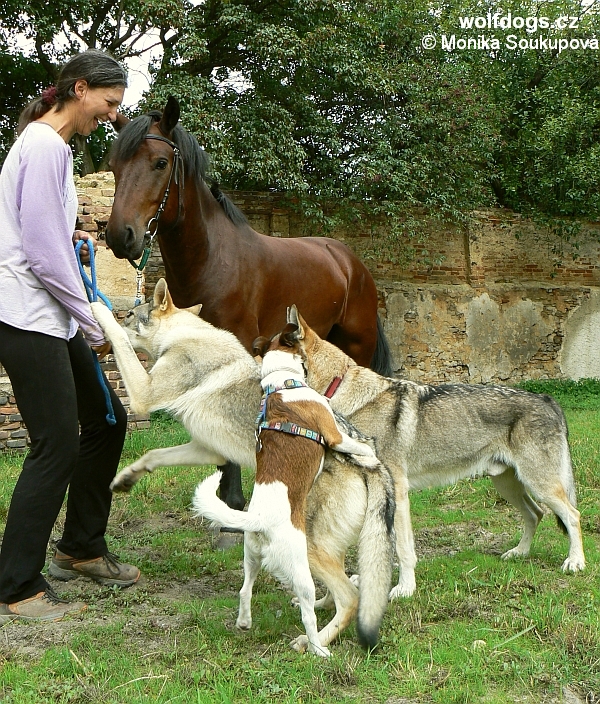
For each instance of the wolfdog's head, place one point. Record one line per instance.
(147, 324)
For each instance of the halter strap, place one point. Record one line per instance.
(177, 174)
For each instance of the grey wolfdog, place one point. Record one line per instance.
(435, 435)
(206, 379)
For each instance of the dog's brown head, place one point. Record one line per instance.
(290, 339)
(321, 360)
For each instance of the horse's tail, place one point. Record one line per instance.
(382, 361)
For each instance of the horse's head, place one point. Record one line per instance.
(144, 169)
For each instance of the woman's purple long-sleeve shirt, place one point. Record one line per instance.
(40, 284)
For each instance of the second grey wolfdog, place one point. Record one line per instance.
(435, 435)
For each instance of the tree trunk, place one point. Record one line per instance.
(82, 149)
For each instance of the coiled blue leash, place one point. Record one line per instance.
(91, 289)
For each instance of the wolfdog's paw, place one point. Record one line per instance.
(325, 602)
(514, 553)
(573, 564)
(244, 624)
(124, 481)
(318, 649)
(300, 644)
(403, 589)
(102, 314)
(355, 579)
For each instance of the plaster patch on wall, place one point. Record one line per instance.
(580, 353)
(503, 337)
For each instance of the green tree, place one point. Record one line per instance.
(548, 156)
(333, 103)
(36, 37)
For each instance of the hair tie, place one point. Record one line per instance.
(49, 96)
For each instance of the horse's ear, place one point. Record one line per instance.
(260, 346)
(120, 122)
(195, 310)
(162, 297)
(294, 318)
(170, 116)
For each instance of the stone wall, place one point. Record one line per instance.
(505, 303)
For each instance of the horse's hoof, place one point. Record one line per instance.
(226, 540)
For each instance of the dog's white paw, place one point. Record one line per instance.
(573, 564)
(300, 644)
(367, 460)
(102, 314)
(320, 650)
(355, 579)
(403, 589)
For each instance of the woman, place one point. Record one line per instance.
(46, 331)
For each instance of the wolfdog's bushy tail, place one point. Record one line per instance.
(375, 555)
(206, 503)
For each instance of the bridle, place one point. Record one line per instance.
(152, 226)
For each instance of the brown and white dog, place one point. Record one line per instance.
(294, 426)
(205, 378)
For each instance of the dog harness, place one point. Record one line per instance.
(282, 426)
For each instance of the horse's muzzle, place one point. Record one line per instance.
(124, 244)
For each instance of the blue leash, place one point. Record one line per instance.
(91, 289)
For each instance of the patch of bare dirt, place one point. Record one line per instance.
(150, 604)
(448, 540)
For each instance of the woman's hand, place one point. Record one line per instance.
(84, 252)
(102, 350)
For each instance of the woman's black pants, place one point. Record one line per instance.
(62, 403)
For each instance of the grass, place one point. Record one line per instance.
(477, 630)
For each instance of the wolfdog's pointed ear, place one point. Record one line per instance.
(260, 346)
(294, 318)
(194, 310)
(162, 297)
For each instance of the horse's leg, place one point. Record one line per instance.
(358, 342)
(230, 491)
(230, 486)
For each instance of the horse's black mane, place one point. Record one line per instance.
(195, 159)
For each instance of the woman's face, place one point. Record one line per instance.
(95, 105)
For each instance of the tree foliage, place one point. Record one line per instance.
(338, 103)
(37, 37)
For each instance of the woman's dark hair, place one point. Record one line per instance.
(94, 66)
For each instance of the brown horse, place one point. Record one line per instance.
(244, 280)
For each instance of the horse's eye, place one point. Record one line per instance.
(162, 164)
